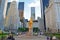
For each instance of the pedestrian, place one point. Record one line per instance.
(48, 38)
(10, 37)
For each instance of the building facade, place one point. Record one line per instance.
(53, 16)
(40, 24)
(33, 13)
(21, 10)
(12, 20)
(0, 2)
(8, 6)
(3, 5)
(44, 3)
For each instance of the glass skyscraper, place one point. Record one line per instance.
(21, 9)
(33, 13)
(8, 6)
(0, 2)
(21, 6)
(2, 12)
(44, 4)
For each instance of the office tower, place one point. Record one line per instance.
(41, 5)
(40, 24)
(0, 4)
(0, 1)
(21, 10)
(24, 22)
(33, 13)
(44, 4)
(1, 15)
(13, 20)
(3, 5)
(53, 16)
(8, 6)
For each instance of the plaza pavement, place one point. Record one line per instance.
(23, 37)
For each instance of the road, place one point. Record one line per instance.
(30, 37)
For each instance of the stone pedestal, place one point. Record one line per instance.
(30, 32)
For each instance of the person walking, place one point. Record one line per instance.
(48, 38)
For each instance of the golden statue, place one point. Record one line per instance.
(30, 31)
(30, 25)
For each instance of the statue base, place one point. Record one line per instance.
(30, 32)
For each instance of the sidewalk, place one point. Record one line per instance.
(23, 37)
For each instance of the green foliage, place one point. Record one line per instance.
(23, 29)
(53, 34)
(4, 35)
(35, 29)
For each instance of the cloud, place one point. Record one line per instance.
(36, 3)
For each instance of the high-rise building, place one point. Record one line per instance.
(12, 20)
(21, 10)
(0, 13)
(0, 2)
(8, 6)
(40, 24)
(33, 13)
(3, 5)
(44, 3)
(53, 16)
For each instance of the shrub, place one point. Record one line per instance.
(23, 29)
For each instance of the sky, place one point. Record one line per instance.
(27, 7)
